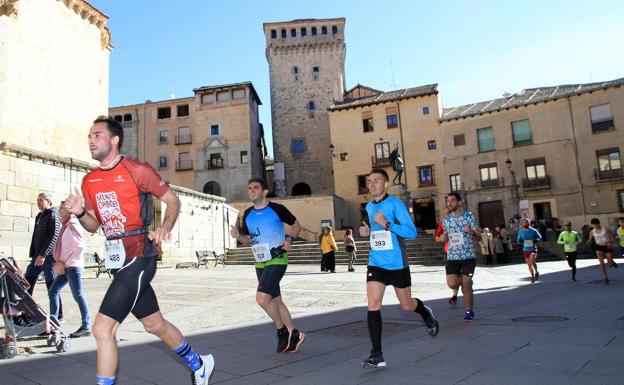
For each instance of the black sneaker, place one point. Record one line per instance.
(606, 281)
(432, 325)
(296, 338)
(614, 265)
(536, 275)
(375, 360)
(282, 340)
(81, 332)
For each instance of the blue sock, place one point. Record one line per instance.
(191, 358)
(105, 380)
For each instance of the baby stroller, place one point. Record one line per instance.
(23, 317)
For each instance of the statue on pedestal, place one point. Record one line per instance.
(397, 165)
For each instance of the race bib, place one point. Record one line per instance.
(528, 243)
(115, 254)
(601, 239)
(381, 240)
(261, 252)
(456, 239)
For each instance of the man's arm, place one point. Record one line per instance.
(171, 215)
(560, 239)
(54, 228)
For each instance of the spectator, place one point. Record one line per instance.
(350, 247)
(487, 245)
(328, 248)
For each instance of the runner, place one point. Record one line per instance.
(603, 246)
(262, 227)
(569, 239)
(439, 237)
(387, 262)
(118, 197)
(619, 233)
(460, 229)
(529, 236)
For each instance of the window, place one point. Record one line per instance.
(367, 121)
(431, 145)
(392, 121)
(425, 110)
(162, 162)
(334, 29)
(382, 154)
(459, 140)
(164, 112)
(127, 118)
(362, 184)
(244, 158)
(184, 162)
(535, 168)
(488, 172)
(208, 98)
(298, 146)
(344, 156)
(601, 118)
(215, 161)
(609, 159)
(183, 110)
(521, 131)
(620, 194)
(324, 30)
(313, 31)
(455, 182)
(118, 118)
(296, 70)
(304, 32)
(184, 135)
(214, 129)
(283, 34)
(163, 137)
(311, 106)
(315, 72)
(273, 34)
(293, 33)
(425, 176)
(486, 139)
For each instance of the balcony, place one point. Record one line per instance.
(128, 123)
(490, 183)
(212, 164)
(184, 139)
(606, 175)
(163, 140)
(380, 162)
(536, 183)
(184, 165)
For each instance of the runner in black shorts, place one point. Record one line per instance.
(460, 228)
(263, 228)
(118, 198)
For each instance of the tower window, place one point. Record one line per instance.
(425, 110)
(313, 31)
(283, 34)
(295, 72)
(273, 34)
(334, 29)
(324, 30)
(293, 32)
(304, 32)
(311, 106)
(315, 72)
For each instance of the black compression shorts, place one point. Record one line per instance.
(269, 279)
(131, 291)
(400, 279)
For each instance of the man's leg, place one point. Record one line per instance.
(467, 291)
(453, 282)
(603, 269)
(104, 331)
(273, 307)
(32, 275)
(529, 264)
(410, 304)
(534, 263)
(610, 259)
(375, 292)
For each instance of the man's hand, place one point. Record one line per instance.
(364, 230)
(468, 229)
(75, 202)
(287, 244)
(39, 260)
(234, 232)
(380, 219)
(159, 235)
(444, 237)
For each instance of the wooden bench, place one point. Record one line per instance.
(93, 261)
(204, 257)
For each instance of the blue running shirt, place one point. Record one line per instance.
(267, 226)
(392, 255)
(460, 243)
(529, 238)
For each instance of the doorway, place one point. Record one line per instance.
(424, 214)
(491, 214)
(542, 211)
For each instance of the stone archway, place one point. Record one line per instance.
(212, 188)
(301, 189)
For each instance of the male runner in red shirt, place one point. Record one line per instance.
(118, 198)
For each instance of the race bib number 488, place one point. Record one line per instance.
(115, 254)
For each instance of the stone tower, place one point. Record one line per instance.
(306, 63)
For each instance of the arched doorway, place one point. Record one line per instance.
(301, 189)
(212, 188)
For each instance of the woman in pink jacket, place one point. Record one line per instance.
(69, 264)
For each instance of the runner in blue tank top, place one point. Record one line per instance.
(529, 237)
(390, 223)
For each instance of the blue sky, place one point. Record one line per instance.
(475, 50)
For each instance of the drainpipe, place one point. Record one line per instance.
(576, 158)
(401, 140)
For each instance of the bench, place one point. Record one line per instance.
(206, 256)
(93, 261)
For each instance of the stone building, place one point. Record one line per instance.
(367, 126)
(53, 74)
(306, 69)
(211, 142)
(548, 152)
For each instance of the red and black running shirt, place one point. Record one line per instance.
(121, 198)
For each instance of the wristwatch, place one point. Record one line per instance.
(387, 226)
(290, 237)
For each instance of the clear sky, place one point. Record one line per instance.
(475, 50)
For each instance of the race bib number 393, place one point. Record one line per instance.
(115, 254)
(381, 240)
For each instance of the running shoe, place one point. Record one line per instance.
(469, 316)
(536, 275)
(81, 332)
(532, 279)
(282, 340)
(453, 301)
(375, 360)
(296, 339)
(202, 375)
(432, 325)
(606, 281)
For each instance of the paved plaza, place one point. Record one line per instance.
(552, 332)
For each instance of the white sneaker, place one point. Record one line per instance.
(202, 375)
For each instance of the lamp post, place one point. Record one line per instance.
(514, 186)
